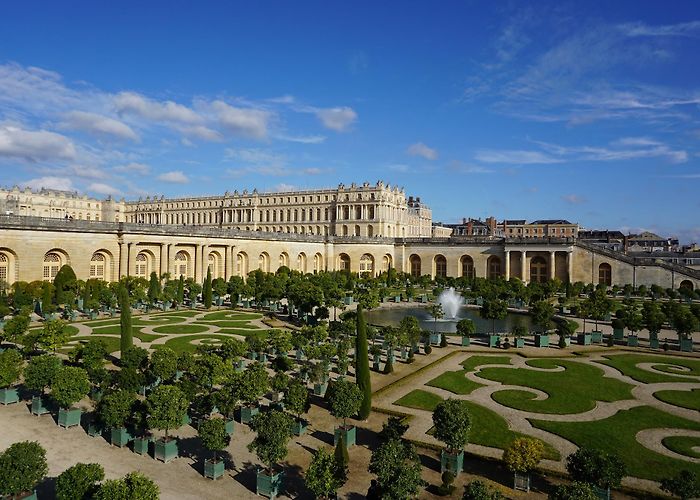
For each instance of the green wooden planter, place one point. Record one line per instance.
(632, 341)
(466, 341)
(247, 413)
(584, 338)
(602, 493)
(214, 470)
(268, 485)
(165, 451)
(120, 437)
(69, 417)
(596, 337)
(493, 340)
(453, 462)
(521, 482)
(349, 433)
(654, 343)
(94, 429)
(186, 419)
(686, 345)
(618, 333)
(8, 396)
(320, 389)
(347, 300)
(299, 426)
(230, 425)
(141, 445)
(376, 366)
(541, 340)
(38, 406)
(435, 338)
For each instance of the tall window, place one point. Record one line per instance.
(97, 266)
(4, 269)
(52, 263)
(605, 274)
(367, 264)
(415, 266)
(467, 266)
(181, 261)
(440, 266)
(141, 268)
(538, 270)
(494, 265)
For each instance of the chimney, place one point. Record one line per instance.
(470, 228)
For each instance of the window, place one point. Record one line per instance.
(97, 266)
(4, 269)
(52, 263)
(605, 274)
(141, 268)
(440, 266)
(181, 264)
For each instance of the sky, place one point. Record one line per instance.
(587, 111)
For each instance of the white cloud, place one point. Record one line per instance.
(304, 139)
(105, 189)
(573, 199)
(281, 188)
(399, 167)
(175, 176)
(166, 111)
(39, 145)
(339, 118)
(202, 132)
(689, 29)
(468, 168)
(314, 171)
(133, 168)
(96, 124)
(50, 182)
(247, 122)
(628, 148)
(519, 157)
(420, 149)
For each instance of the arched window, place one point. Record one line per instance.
(685, 285)
(141, 268)
(318, 263)
(4, 270)
(301, 262)
(415, 263)
(97, 266)
(284, 260)
(494, 267)
(538, 270)
(182, 260)
(386, 262)
(357, 231)
(370, 231)
(367, 265)
(344, 262)
(264, 262)
(242, 264)
(467, 265)
(440, 266)
(605, 274)
(52, 263)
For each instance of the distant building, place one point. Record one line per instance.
(543, 228)
(472, 227)
(58, 204)
(650, 242)
(611, 240)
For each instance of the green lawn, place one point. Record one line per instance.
(474, 361)
(180, 329)
(684, 399)
(574, 390)
(626, 363)
(70, 329)
(683, 445)
(234, 315)
(487, 428)
(157, 320)
(112, 330)
(112, 344)
(237, 331)
(455, 382)
(616, 434)
(183, 313)
(230, 324)
(183, 343)
(101, 322)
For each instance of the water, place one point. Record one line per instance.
(392, 317)
(450, 302)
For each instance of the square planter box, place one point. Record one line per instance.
(166, 451)
(602, 493)
(70, 417)
(654, 343)
(584, 338)
(347, 300)
(541, 340)
(632, 341)
(519, 342)
(397, 298)
(493, 340)
(320, 389)
(247, 413)
(686, 345)
(435, 338)
(618, 333)
(230, 425)
(214, 470)
(300, 355)
(521, 482)
(454, 462)
(466, 341)
(349, 433)
(376, 366)
(94, 430)
(596, 337)
(120, 437)
(567, 341)
(268, 486)
(186, 420)
(38, 407)
(8, 396)
(141, 445)
(299, 427)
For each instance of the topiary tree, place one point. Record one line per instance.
(273, 429)
(542, 313)
(167, 406)
(437, 313)
(22, 466)
(207, 290)
(478, 490)
(604, 470)
(116, 408)
(134, 486)
(69, 386)
(574, 491)
(126, 337)
(212, 432)
(252, 384)
(41, 371)
(79, 482)
(322, 477)
(398, 470)
(452, 422)
(155, 291)
(523, 455)
(362, 377)
(684, 485)
(10, 367)
(344, 399)
(64, 282)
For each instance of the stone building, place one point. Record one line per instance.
(558, 228)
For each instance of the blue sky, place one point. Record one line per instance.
(582, 110)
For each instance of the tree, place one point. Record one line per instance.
(296, 398)
(542, 313)
(65, 281)
(155, 291)
(22, 466)
(115, 408)
(273, 429)
(163, 364)
(207, 290)
(466, 327)
(452, 422)
(634, 320)
(54, 334)
(322, 477)
(10, 367)
(595, 467)
(574, 491)
(212, 432)
(16, 327)
(684, 322)
(362, 377)
(305, 295)
(167, 406)
(252, 384)
(79, 482)
(393, 428)
(654, 318)
(398, 470)
(523, 455)
(478, 490)
(437, 313)
(344, 398)
(494, 309)
(41, 371)
(133, 486)
(684, 485)
(69, 386)
(126, 338)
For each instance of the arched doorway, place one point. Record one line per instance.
(467, 266)
(242, 264)
(494, 267)
(538, 270)
(686, 285)
(318, 263)
(605, 274)
(440, 266)
(182, 264)
(98, 266)
(52, 263)
(344, 262)
(386, 262)
(264, 262)
(366, 265)
(415, 264)
(284, 260)
(301, 263)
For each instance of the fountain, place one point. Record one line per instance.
(450, 301)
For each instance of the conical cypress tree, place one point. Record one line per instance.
(362, 365)
(126, 340)
(206, 292)
(181, 290)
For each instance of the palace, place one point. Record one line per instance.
(363, 228)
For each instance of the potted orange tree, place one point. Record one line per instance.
(273, 430)
(70, 385)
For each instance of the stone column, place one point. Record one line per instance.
(197, 263)
(552, 264)
(164, 256)
(507, 267)
(204, 262)
(123, 259)
(227, 262)
(526, 267)
(570, 264)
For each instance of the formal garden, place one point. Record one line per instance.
(277, 386)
